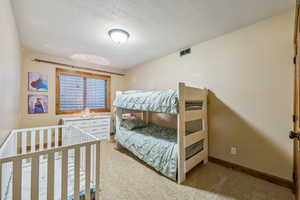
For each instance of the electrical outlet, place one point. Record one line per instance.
(233, 150)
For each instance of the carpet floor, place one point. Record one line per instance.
(123, 177)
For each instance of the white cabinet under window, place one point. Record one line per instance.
(98, 126)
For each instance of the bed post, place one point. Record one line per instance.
(181, 133)
(118, 114)
(205, 128)
(146, 116)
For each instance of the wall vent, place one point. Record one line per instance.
(185, 52)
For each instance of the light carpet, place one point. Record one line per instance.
(123, 177)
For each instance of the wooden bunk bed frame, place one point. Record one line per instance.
(188, 95)
(185, 95)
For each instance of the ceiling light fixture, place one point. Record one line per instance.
(118, 35)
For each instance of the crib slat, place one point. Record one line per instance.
(24, 141)
(35, 178)
(60, 131)
(56, 137)
(49, 138)
(45, 142)
(50, 176)
(93, 164)
(37, 140)
(97, 171)
(19, 142)
(77, 173)
(64, 175)
(32, 143)
(41, 141)
(88, 172)
(17, 179)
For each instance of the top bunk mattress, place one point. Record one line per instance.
(154, 101)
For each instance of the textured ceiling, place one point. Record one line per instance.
(157, 27)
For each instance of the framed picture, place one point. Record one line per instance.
(37, 104)
(37, 82)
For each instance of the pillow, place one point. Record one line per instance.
(133, 124)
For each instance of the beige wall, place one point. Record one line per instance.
(250, 75)
(33, 120)
(10, 67)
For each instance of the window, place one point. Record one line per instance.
(77, 91)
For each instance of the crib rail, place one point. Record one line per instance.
(39, 138)
(47, 142)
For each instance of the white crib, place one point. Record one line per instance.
(57, 162)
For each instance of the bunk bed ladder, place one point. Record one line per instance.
(189, 94)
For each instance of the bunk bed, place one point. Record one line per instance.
(171, 151)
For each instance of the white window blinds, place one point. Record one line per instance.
(79, 93)
(71, 93)
(96, 93)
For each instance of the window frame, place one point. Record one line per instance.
(60, 71)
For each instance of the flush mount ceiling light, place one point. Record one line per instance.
(89, 58)
(118, 35)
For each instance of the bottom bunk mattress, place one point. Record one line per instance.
(156, 146)
(26, 179)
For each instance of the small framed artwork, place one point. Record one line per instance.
(37, 82)
(37, 104)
